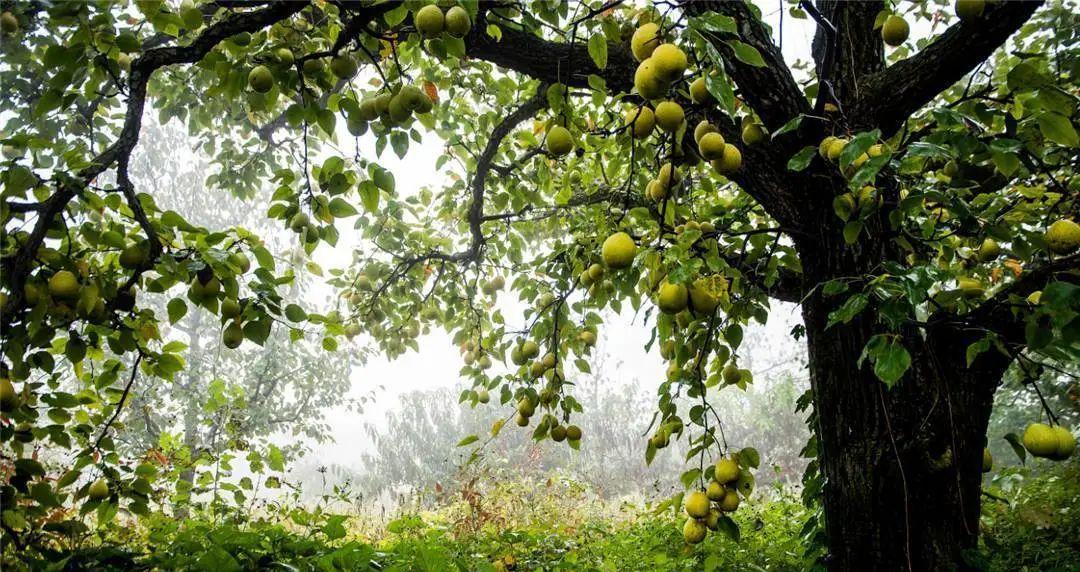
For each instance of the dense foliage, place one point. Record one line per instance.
(917, 202)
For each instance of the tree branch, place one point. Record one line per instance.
(770, 90)
(550, 61)
(20, 264)
(998, 313)
(894, 94)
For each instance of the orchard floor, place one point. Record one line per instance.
(1032, 524)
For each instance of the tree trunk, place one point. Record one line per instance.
(902, 466)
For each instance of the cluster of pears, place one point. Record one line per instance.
(74, 294)
(662, 437)
(474, 355)
(661, 64)
(832, 147)
(526, 408)
(1053, 442)
(704, 509)
(392, 109)
(492, 286)
(432, 22)
(725, 157)
(703, 295)
(857, 203)
(666, 180)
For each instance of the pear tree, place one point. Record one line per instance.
(670, 147)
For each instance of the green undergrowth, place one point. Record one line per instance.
(1028, 524)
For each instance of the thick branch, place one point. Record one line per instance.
(770, 90)
(551, 62)
(891, 96)
(858, 50)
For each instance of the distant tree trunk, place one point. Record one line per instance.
(186, 479)
(902, 465)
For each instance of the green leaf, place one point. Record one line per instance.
(746, 53)
(468, 440)
(295, 313)
(369, 196)
(341, 208)
(714, 22)
(275, 459)
(791, 125)
(977, 348)
(801, 160)
(689, 477)
(728, 527)
(1017, 446)
(852, 230)
(851, 308)
(598, 49)
(177, 309)
(1057, 128)
(889, 356)
(751, 456)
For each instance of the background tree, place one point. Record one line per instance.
(915, 283)
(227, 400)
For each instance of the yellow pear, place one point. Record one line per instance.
(672, 298)
(726, 471)
(711, 146)
(644, 41)
(669, 116)
(1063, 236)
(9, 400)
(715, 491)
(970, 9)
(559, 141)
(730, 162)
(573, 433)
(699, 92)
(704, 127)
(457, 22)
(648, 82)
(9, 24)
(429, 21)
(753, 133)
(1066, 443)
(670, 62)
(988, 250)
(987, 460)
(618, 250)
(970, 287)
(730, 503)
(697, 504)
(694, 531)
(641, 120)
(64, 285)
(895, 30)
(260, 79)
(233, 335)
(1040, 440)
(668, 176)
(98, 490)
